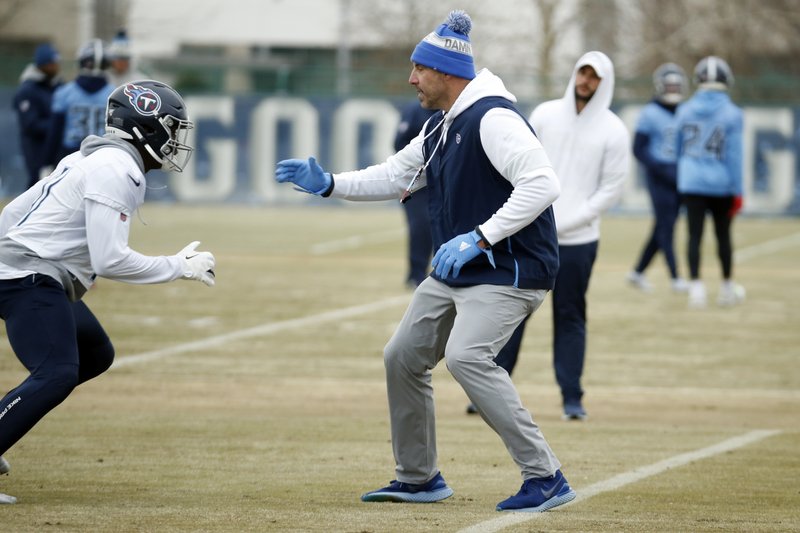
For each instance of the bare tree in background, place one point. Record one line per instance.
(756, 37)
(110, 16)
(554, 21)
(599, 21)
(400, 23)
(8, 10)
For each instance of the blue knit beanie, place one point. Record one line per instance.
(447, 49)
(45, 53)
(120, 47)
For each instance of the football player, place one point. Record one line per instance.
(654, 147)
(79, 106)
(72, 227)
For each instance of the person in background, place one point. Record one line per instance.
(57, 237)
(590, 149)
(654, 147)
(420, 241)
(491, 187)
(709, 147)
(121, 68)
(79, 106)
(32, 103)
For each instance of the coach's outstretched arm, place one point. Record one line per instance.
(308, 176)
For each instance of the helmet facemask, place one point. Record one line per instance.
(673, 91)
(175, 153)
(670, 84)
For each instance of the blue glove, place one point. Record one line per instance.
(307, 175)
(458, 251)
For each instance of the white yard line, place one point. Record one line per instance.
(637, 474)
(262, 330)
(766, 248)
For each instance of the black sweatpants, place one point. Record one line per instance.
(696, 208)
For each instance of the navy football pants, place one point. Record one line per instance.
(420, 239)
(60, 343)
(569, 316)
(569, 321)
(666, 207)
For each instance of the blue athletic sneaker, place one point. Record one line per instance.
(574, 411)
(434, 490)
(539, 495)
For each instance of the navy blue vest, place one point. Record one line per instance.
(466, 190)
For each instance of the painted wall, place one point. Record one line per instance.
(238, 140)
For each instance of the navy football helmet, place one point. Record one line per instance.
(152, 116)
(92, 58)
(713, 72)
(670, 83)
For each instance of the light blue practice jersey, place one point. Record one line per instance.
(659, 125)
(709, 145)
(84, 113)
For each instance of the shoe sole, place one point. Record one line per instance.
(408, 497)
(4, 469)
(555, 501)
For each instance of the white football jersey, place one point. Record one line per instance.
(80, 217)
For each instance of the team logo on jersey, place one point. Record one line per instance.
(145, 101)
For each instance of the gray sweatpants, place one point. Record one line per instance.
(467, 326)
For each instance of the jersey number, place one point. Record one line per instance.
(89, 120)
(714, 145)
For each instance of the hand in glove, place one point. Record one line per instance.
(736, 206)
(307, 175)
(197, 265)
(458, 251)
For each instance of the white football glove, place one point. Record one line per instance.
(197, 265)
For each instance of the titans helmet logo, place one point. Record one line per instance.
(145, 101)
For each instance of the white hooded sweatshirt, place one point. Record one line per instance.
(589, 151)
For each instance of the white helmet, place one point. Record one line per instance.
(670, 83)
(713, 72)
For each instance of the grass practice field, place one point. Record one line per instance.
(259, 404)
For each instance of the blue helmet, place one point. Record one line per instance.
(92, 57)
(152, 116)
(713, 72)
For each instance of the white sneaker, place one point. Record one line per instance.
(638, 280)
(697, 294)
(4, 469)
(730, 294)
(680, 285)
